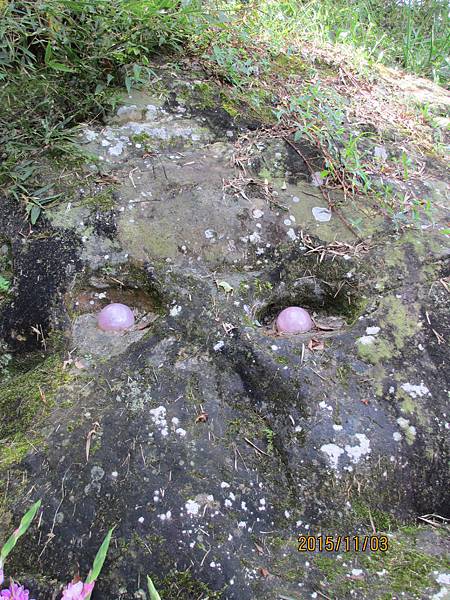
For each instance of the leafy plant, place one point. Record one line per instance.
(19, 532)
(4, 285)
(319, 117)
(270, 437)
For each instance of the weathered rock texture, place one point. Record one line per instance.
(212, 441)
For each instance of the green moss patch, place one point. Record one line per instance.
(183, 585)
(407, 569)
(376, 352)
(25, 400)
(103, 201)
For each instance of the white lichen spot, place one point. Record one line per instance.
(181, 432)
(365, 340)
(192, 508)
(333, 452)
(372, 330)
(356, 573)
(158, 416)
(323, 215)
(416, 391)
(397, 436)
(254, 238)
(209, 234)
(165, 516)
(224, 485)
(117, 149)
(355, 453)
(175, 310)
(218, 346)
(291, 234)
(90, 135)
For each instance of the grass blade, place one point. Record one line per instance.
(152, 590)
(100, 558)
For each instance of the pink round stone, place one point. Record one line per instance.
(294, 320)
(115, 317)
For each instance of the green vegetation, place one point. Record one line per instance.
(269, 437)
(25, 399)
(65, 60)
(408, 570)
(182, 584)
(405, 569)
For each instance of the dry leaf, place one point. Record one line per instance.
(79, 364)
(93, 431)
(315, 344)
(259, 549)
(42, 395)
(264, 572)
(202, 417)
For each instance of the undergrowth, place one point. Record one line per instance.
(61, 63)
(64, 62)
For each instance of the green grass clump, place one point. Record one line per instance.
(411, 34)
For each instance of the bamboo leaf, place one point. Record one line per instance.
(35, 213)
(57, 66)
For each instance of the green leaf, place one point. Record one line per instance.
(24, 524)
(48, 54)
(100, 558)
(445, 231)
(57, 66)
(35, 213)
(4, 284)
(152, 590)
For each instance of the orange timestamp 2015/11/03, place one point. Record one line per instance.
(343, 543)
